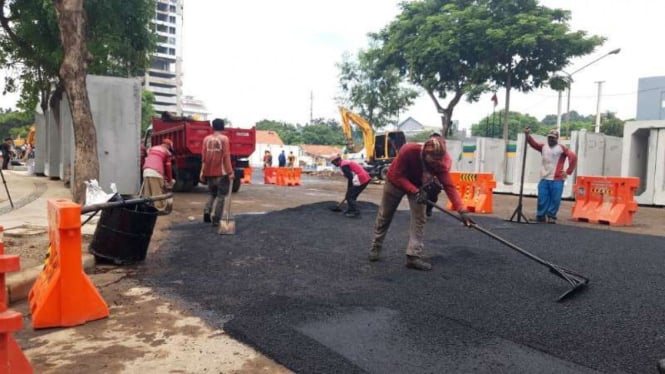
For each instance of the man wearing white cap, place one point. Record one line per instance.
(552, 173)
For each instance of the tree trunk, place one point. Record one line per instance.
(71, 21)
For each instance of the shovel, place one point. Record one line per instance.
(227, 226)
(576, 280)
(338, 207)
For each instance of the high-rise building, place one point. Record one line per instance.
(164, 78)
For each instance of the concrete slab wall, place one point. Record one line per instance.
(52, 149)
(612, 156)
(532, 166)
(40, 143)
(659, 176)
(642, 157)
(67, 148)
(454, 148)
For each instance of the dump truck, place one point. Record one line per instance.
(187, 135)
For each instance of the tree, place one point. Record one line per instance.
(612, 125)
(463, 47)
(376, 94)
(528, 43)
(120, 42)
(12, 119)
(322, 132)
(434, 44)
(71, 21)
(287, 132)
(518, 122)
(147, 109)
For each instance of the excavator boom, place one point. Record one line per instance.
(349, 117)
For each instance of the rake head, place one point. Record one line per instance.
(577, 281)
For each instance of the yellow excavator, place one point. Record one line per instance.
(380, 150)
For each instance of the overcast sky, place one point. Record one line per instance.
(261, 59)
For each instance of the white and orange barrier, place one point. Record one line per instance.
(605, 200)
(12, 359)
(62, 294)
(476, 191)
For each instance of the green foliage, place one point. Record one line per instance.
(13, 123)
(287, 132)
(147, 110)
(610, 125)
(119, 42)
(462, 48)
(320, 132)
(419, 137)
(374, 92)
(517, 122)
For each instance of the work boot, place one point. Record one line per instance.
(206, 217)
(428, 211)
(352, 214)
(215, 222)
(540, 219)
(551, 219)
(413, 262)
(374, 254)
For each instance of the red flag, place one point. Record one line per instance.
(495, 100)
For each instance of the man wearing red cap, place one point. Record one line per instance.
(357, 181)
(415, 170)
(550, 187)
(158, 174)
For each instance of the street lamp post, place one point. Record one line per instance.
(570, 82)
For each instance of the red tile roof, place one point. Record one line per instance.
(268, 137)
(320, 150)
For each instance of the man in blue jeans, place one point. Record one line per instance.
(552, 174)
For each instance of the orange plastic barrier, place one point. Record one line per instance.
(63, 295)
(269, 175)
(476, 191)
(287, 176)
(12, 359)
(247, 175)
(605, 200)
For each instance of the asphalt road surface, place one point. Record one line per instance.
(296, 284)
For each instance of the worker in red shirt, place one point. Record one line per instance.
(216, 171)
(158, 174)
(357, 180)
(414, 171)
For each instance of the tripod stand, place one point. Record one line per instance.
(518, 210)
(6, 189)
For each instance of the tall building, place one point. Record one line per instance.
(164, 78)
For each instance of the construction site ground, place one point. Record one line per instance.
(156, 327)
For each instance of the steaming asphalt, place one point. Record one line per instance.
(296, 285)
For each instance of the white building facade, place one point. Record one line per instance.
(164, 78)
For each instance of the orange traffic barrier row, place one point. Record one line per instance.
(605, 200)
(270, 175)
(476, 191)
(247, 175)
(62, 294)
(282, 176)
(12, 359)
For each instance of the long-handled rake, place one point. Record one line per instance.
(576, 280)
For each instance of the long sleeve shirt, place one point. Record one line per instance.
(407, 170)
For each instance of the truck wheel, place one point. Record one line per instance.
(179, 185)
(236, 185)
(383, 174)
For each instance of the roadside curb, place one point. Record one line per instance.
(18, 284)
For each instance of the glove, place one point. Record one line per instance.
(421, 196)
(464, 216)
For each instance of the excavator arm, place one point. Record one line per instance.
(348, 118)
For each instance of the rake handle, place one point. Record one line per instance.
(495, 236)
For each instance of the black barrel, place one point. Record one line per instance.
(123, 233)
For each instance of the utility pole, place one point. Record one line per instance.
(311, 107)
(600, 87)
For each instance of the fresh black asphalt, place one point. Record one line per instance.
(296, 285)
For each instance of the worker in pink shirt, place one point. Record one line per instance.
(158, 174)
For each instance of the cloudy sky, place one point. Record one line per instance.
(261, 59)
